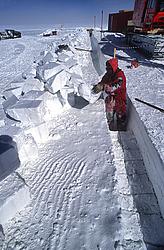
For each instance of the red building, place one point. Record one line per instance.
(117, 22)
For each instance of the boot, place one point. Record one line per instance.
(121, 122)
(110, 119)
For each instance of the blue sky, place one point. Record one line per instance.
(36, 13)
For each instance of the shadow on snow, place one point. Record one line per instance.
(119, 42)
(9, 159)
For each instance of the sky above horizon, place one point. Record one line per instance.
(37, 13)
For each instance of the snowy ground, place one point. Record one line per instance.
(88, 186)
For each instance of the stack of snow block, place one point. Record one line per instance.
(34, 99)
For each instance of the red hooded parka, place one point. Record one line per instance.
(114, 84)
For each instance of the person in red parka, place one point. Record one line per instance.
(113, 84)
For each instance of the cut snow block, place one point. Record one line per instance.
(9, 160)
(85, 92)
(16, 89)
(40, 134)
(28, 150)
(27, 111)
(98, 58)
(50, 69)
(49, 57)
(50, 103)
(75, 82)
(8, 93)
(63, 57)
(19, 78)
(60, 80)
(71, 99)
(14, 196)
(32, 84)
(52, 106)
(24, 143)
(33, 95)
(2, 116)
(70, 63)
(40, 73)
(10, 101)
(76, 71)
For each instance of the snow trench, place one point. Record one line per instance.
(152, 160)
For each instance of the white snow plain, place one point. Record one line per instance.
(77, 185)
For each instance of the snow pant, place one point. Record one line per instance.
(113, 109)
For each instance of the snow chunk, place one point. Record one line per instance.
(49, 57)
(85, 91)
(27, 111)
(59, 81)
(13, 198)
(41, 134)
(10, 101)
(51, 69)
(2, 116)
(32, 84)
(28, 150)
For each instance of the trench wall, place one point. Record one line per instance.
(153, 162)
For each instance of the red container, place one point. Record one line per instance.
(118, 21)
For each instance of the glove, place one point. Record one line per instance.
(97, 88)
(117, 83)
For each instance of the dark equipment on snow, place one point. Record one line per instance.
(9, 34)
(134, 63)
(150, 105)
(81, 49)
